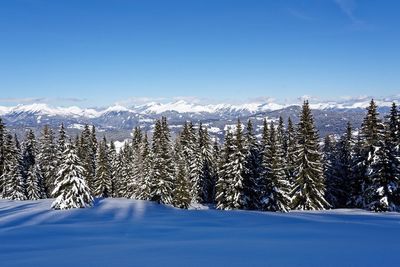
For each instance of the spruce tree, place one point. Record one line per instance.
(102, 183)
(224, 173)
(235, 170)
(163, 169)
(137, 164)
(71, 190)
(384, 190)
(13, 187)
(206, 165)
(113, 158)
(145, 183)
(372, 136)
(181, 194)
(2, 158)
(47, 159)
(29, 151)
(34, 183)
(87, 152)
(276, 186)
(290, 152)
(309, 182)
(252, 168)
(333, 181)
(343, 168)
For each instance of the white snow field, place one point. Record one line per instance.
(120, 232)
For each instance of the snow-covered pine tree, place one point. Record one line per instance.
(87, 150)
(29, 151)
(71, 190)
(372, 136)
(61, 143)
(2, 141)
(206, 158)
(113, 158)
(47, 159)
(309, 182)
(163, 169)
(137, 164)
(224, 172)
(216, 160)
(290, 152)
(125, 172)
(34, 183)
(384, 190)
(192, 151)
(333, 181)
(343, 169)
(234, 193)
(102, 182)
(145, 183)
(32, 173)
(276, 195)
(252, 167)
(12, 175)
(181, 193)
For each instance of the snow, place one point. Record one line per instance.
(120, 144)
(120, 232)
(182, 106)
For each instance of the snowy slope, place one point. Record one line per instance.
(119, 232)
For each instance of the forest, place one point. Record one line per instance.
(289, 168)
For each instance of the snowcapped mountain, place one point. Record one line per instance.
(117, 121)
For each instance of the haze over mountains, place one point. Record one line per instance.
(117, 121)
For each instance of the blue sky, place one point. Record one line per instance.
(96, 52)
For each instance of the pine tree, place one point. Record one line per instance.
(125, 172)
(163, 169)
(290, 152)
(333, 181)
(87, 151)
(113, 158)
(384, 190)
(181, 194)
(206, 165)
(234, 193)
(343, 169)
(276, 186)
(71, 190)
(29, 151)
(47, 159)
(309, 183)
(252, 167)
(145, 183)
(34, 183)
(137, 164)
(372, 136)
(224, 173)
(2, 158)
(12, 174)
(102, 182)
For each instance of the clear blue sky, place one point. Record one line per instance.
(106, 51)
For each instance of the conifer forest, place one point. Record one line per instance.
(290, 167)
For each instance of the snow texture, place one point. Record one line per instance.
(120, 232)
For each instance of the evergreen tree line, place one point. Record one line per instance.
(286, 169)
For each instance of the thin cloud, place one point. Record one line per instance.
(30, 100)
(347, 7)
(299, 14)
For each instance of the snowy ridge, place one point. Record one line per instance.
(182, 106)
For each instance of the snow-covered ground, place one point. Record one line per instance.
(119, 232)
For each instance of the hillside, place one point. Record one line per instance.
(120, 232)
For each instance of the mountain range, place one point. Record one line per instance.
(117, 121)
